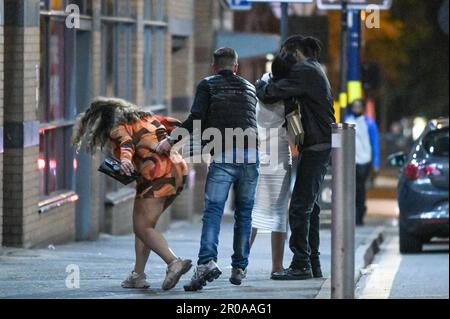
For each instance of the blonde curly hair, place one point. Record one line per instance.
(94, 126)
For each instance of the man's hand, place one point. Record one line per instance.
(164, 146)
(126, 167)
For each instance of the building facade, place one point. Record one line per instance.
(151, 52)
(2, 68)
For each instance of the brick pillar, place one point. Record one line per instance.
(137, 87)
(204, 41)
(181, 26)
(21, 142)
(97, 180)
(2, 42)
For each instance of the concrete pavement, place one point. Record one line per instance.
(103, 264)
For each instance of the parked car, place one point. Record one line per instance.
(423, 188)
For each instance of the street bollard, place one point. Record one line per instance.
(343, 212)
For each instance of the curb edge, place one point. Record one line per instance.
(364, 256)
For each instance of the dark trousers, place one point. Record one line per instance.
(362, 174)
(304, 209)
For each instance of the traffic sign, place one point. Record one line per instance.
(353, 4)
(239, 5)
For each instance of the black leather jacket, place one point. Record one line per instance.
(308, 83)
(224, 101)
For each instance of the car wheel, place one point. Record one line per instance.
(408, 243)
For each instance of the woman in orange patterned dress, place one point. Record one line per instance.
(133, 136)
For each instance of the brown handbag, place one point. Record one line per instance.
(295, 129)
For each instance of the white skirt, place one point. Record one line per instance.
(270, 211)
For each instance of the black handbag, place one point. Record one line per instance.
(111, 167)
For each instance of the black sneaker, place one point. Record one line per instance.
(279, 275)
(300, 273)
(316, 269)
(202, 275)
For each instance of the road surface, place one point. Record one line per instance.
(396, 276)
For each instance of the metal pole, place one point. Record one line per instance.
(354, 85)
(284, 22)
(343, 59)
(343, 212)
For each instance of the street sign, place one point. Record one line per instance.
(353, 4)
(239, 5)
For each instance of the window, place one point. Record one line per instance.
(437, 142)
(56, 159)
(116, 47)
(84, 5)
(148, 66)
(154, 43)
(118, 24)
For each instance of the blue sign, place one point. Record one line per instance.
(241, 5)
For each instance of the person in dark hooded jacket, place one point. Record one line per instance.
(308, 83)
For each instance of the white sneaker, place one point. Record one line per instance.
(175, 270)
(136, 281)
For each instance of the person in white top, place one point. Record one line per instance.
(367, 154)
(270, 211)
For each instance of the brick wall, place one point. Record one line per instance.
(204, 41)
(22, 54)
(23, 225)
(207, 22)
(181, 26)
(119, 216)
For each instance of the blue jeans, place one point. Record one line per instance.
(244, 178)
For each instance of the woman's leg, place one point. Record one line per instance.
(142, 254)
(253, 237)
(145, 216)
(278, 242)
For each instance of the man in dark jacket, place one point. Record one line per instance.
(308, 83)
(225, 104)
